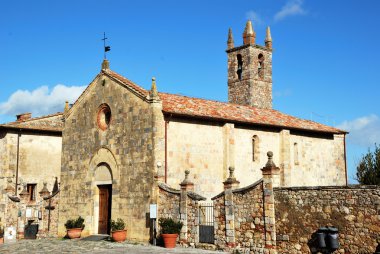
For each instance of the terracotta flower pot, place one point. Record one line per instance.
(74, 233)
(1, 240)
(170, 240)
(119, 235)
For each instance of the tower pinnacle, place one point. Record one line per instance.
(268, 39)
(230, 41)
(249, 34)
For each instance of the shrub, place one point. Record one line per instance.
(119, 224)
(170, 226)
(76, 223)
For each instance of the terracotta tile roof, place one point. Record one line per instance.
(208, 109)
(49, 123)
(200, 108)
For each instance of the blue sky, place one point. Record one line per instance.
(325, 60)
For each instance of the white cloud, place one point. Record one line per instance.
(254, 17)
(364, 131)
(283, 93)
(40, 101)
(291, 8)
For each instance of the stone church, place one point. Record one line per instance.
(119, 141)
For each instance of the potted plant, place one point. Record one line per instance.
(118, 231)
(170, 230)
(74, 227)
(1, 235)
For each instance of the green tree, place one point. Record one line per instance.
(368, 169)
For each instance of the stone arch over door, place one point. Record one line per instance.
(103, 171)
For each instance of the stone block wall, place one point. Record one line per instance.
(192, 221)
(207, 149)
(240, 220)
(354, 210)
(168, 202)
(181, 205)
(249, 216)
(220, 221)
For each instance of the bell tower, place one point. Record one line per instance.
(250, 70)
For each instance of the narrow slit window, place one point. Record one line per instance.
(296, 159)
(240, 66)
(255, 148)
(260, 67)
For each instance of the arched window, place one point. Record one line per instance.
(260, 67)
(296, 159)
(240, 66)
(255, 148)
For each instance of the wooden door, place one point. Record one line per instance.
(104, 208)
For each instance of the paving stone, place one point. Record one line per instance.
(75, 246)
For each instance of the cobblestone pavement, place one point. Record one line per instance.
(78, 246)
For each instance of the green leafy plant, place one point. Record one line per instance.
(368, 169)
(76, 223)
(119, 224)
(170, 226)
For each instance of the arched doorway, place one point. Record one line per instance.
(103, 181)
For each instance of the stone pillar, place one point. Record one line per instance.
(271, 179)
(186, 185)
(230, 184)
(24, 199)
(43, 193)
(285, 172)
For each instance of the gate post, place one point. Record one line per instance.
(230, 184)
(271, 179)
(186, 185)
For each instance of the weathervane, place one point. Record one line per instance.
(106, 48)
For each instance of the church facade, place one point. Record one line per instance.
(120, 141)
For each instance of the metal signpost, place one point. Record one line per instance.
(153, 216)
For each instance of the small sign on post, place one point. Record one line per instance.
(153, 211)
(153, 216)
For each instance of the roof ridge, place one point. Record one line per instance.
(126, 81)
(35, 118)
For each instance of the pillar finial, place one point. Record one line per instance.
(186, 183)
(153, 94)
(249, 34)
(105, 64)
(270, 162)
(44, 192)
(230, 41)
(268, 39)
(67, 107)
(231, 181)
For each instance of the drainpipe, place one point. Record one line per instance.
(17, 159)
(345, 158)
(166, 151)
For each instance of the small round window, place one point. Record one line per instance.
(104, 117)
